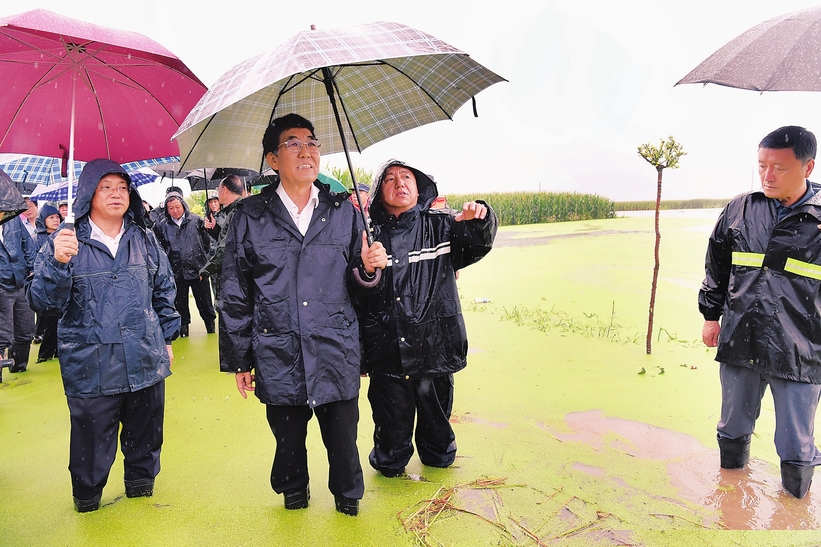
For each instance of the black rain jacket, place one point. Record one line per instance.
(413, 328)
(188, 245)
(763, 280)
(286, 304)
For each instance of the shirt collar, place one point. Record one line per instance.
(313, 201)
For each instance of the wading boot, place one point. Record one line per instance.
(347, 506)
(84, 506)
(734, 452)
(21, 359)
(140, 488)
(796, 478)
(297, 500)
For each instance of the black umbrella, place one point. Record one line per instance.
(11, 202)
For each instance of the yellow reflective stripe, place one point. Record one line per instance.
(804, 269)
(755, 260)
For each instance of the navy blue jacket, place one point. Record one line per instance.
(188, 245)
(17, 254)
(116, 312)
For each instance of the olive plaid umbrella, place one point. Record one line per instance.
(386, 78)
(780, 54)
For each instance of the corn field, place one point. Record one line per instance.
(516, 208)
(671, 204)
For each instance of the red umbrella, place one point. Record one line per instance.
(95, 91)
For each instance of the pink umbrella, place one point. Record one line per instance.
(95, 91)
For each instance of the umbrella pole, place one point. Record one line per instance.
(329, 87)
(69, 220)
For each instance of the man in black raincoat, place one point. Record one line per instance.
(413, 334)
(293, 336)
(186, 242)
(763, 281)
(113, 287)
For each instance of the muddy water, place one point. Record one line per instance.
(747, 499)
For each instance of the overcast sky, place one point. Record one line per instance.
(588, 82)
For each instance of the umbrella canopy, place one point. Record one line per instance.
(780, 54)
(387, 77)
(95, 91)
(11, 202)
(209, 178)
(59, 191)
(42, 170)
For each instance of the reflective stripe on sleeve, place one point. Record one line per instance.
(754, 260)
(804, 269)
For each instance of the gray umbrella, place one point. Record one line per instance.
(11, 202)
(780, 54)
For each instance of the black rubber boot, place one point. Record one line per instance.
(796, 479)
(21, 358)
(183, 331)
(347, 506)
(297, 500)
(735, 453)
(85, 506)
(140, 488)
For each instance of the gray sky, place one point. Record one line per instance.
(588, 82)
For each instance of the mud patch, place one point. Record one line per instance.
(747, 499)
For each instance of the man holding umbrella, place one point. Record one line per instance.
(293, 335)
(114, 289)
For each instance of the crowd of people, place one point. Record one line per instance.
(316, 289)
(311, 290)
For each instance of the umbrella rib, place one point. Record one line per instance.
(419, 86)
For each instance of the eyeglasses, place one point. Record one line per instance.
(295, 145)
(108, 190)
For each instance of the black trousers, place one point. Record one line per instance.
(394, 404)
(48, 346)
(338, 425)
(94, 425)
(201, 289)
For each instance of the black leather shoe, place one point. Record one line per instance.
(297, 500)
(183, 331)
(347, 506)
(140, 488)
(85, 506)
(796, 479)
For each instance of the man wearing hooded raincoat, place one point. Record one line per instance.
(114, 289)
(763, 281)
(186, 242)
(293, 336)
(413, 334)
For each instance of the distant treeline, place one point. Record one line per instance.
(671, 204)
(515, 208)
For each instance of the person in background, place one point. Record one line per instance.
(293, 337)
(17, 253)
(29, 217)
(211, 218)
(48, 221)
(114, 289)
(62, 207)
(760, 300)
(413, 334)
(364, 192)
(186, 242)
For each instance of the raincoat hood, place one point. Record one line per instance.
(45, 212)
(174, 195)
(92, 172)
(424, 185)
(11, 202)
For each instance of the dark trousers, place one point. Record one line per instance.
(17, 321)
(201, 289)
(338, 425)
(394, 404)
(48, 346)
(94, 425)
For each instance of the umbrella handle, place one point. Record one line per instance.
(367, 284)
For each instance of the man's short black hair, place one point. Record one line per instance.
(233, 184)
(270, 141)
(801, 141)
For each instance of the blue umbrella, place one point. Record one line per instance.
(47, 171)
(59, 191)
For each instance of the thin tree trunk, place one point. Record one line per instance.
(655, 269)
